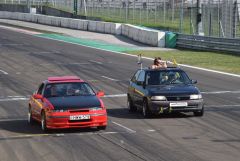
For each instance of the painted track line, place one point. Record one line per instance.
(115, 95)
(2, 71)
(109, 78)
(221, 92)
(97, 62)
(14, 99)
(220, 106)
(126, 128)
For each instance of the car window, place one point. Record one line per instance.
(40, 89)
(134, 78)
(166, 77)
(141, 76)
(68, 89)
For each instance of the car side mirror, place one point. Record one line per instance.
(100, 93)
(140, 83)
(37, 96)
(194, 81)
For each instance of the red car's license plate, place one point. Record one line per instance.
(80, 117)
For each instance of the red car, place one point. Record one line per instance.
(67, 102)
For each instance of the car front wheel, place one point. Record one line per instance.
(43, 122)
(145, 110)
(130, 106)
(30, 119)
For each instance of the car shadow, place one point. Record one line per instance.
(124, 113)
(23, 127)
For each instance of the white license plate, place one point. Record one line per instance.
(178, 104)
(80, 117)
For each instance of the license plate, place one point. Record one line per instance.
(80, 117)
(178, 104)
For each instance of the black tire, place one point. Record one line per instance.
(43, 122)
(130, 106)
(199, 113)
(31, 121)
(101, 127)
(145, 110)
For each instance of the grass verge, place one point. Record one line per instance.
(211, 60)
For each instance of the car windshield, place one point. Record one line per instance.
(68, 89)
(166, 77)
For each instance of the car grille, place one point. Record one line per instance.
(79, 110)
(178, 98)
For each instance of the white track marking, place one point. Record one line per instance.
(2, 71)
(211, 106)
(93, 61)
(15, 96)
(13, 99)
(109, 78)
(151, 130)
(210, 70)
(126, 128)
(115, 95)
(220, 92)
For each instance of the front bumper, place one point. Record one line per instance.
(164, 106)
(62, 121)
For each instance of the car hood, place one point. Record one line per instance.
(173, 90)
(74, 102)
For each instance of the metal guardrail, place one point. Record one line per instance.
(208, 43)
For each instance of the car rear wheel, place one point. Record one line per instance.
(199, 113)
(43, 122)
(30, 119)
(101, 127)
(145, 110)
(130, 106)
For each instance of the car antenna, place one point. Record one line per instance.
(140, 60)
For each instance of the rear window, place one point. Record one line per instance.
(68, 89)
(166, 77)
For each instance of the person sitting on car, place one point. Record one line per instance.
(158, 63)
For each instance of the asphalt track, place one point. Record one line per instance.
(26, 60)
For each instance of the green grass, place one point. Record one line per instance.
(210, 60)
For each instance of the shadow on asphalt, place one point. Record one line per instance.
(23, 127)
(124, 113)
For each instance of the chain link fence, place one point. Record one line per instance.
(219, 18)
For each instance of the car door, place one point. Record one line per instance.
(140, 88)
(132, 86)
(37, 103)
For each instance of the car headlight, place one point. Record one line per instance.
(158, 98)
(195, 96)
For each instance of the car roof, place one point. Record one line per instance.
(64, 79)
(163, 69)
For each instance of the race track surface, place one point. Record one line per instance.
(26, 60)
